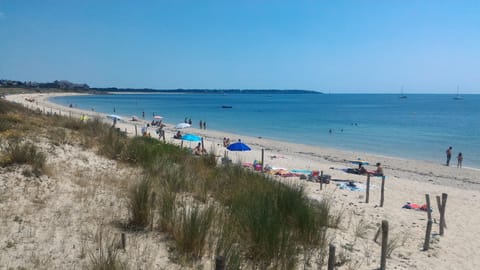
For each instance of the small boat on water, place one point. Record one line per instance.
(458, 97)
(226, 107)
(402, 95)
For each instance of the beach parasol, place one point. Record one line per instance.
(182, 125)
(359, 162)
(191, 138)
(238, 146)
(114, 116)
(158, 117)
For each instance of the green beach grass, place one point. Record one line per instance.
(205, 209)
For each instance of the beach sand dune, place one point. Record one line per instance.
(406, 181)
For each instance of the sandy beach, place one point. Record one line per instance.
(406, 181)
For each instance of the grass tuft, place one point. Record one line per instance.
(192, 229)
(140, 205)
(17, 152)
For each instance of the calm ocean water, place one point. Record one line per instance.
(418, 127)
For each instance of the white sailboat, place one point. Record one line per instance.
(458, 97)
(402, 95)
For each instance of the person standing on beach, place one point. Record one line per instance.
(459, 160)
(204, 125)
(201, 124)
(449, 155)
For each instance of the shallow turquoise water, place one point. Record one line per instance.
(419, 127)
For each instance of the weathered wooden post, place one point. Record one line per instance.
(429, 212)
(202, 144)
(442, 205)
(263, 157)
(382, 191)
(136, 131)
(331, 257)
(321, 180)
(124, 241)
(367, 196)
(426, 244)
(220, 263)
(383, 259)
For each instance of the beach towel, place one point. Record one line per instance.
(352, 186)
(415, 206)
(299, 171)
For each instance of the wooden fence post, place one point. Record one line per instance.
(124, 241)
(263, 156)
(321, 180)
(331, 257)
(426, 244)
(382, 191)
(368, 189)
(220, 263)
(135, 130)
(442, 212)
(428, 232)
(383, 259)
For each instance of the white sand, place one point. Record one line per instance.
(406, 181)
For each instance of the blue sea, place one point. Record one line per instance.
(420, 127)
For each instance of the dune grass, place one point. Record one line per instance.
(251, 219)
(20, 152)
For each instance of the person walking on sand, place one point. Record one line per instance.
(459, 160)
(449, 155)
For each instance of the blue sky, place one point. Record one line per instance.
(331, 46)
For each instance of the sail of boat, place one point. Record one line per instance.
(402, 95)
(458, 97)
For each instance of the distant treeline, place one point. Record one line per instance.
(83, 87)
(209, 91)
(64, 85)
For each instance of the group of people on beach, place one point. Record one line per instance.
(449, 157)
(378, 171)
(199, 150)
(203, 124)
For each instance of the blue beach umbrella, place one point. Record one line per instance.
(238, 146)
(191, 138)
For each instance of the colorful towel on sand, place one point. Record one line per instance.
(351, 186)
(415, 206)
